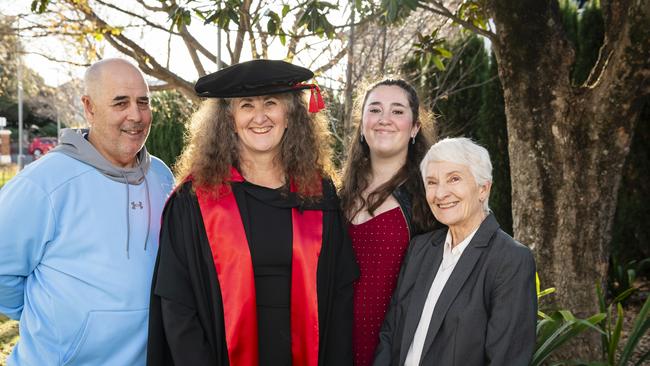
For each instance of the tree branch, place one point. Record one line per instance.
(145, 61)
(193, 55)
(152, 8)
(264, 41)
(54, 59)
(438, 8)
(241, 32)
(251, 38)
(333, 61)
(293, 41)
(137, 16)
(161, 87)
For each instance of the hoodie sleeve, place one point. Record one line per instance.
(27, 225)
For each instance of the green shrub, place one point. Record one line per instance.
(561, 326)
(166, 140)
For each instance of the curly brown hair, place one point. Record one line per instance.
(357, 168)
(212, 146)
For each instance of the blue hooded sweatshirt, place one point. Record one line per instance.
(78, 246)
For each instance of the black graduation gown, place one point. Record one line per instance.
(186, 278)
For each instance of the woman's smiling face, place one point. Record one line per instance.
(387, 123)
(453, 194)
(260, 123)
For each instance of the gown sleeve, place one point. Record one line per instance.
(177, 334)
(342, 270)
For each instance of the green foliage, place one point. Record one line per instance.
(474, 12)
(222, 14)
(313, 17)
(455, 87)
(555, 330)
(591, 33)
(9, 109)
(396, 10)
(569, 14)
(430, 50)
(585, 29)
(611, 328)
(39, 6)
(621, 276)
(181, 17)
(6, 173)
(170, 112)
(542, 293)
(48, 129)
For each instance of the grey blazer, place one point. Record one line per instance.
(486, 313)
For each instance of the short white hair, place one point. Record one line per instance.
(461, 150)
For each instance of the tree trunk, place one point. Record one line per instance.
(568, 143)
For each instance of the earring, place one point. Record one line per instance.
(361, 138)
(413, 140)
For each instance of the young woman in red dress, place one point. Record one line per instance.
(383, 197)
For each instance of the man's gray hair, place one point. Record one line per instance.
(461, 150)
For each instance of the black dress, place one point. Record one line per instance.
(186, 325)
(270, 244)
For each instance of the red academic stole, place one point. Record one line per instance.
(234, 266)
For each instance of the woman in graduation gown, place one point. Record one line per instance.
(255, 266)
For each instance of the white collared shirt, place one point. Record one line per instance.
(450, 257)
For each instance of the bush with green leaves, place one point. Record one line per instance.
(558, 328)
(621, 276)
(612, 327)
(171, 111)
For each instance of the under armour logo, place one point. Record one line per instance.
(135, 205)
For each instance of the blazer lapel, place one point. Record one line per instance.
(461, 272)
(428, 269)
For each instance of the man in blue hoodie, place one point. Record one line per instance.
(79, 231)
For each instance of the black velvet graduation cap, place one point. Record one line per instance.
(259, 77)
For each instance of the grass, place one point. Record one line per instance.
(7, 172)
(8, 337)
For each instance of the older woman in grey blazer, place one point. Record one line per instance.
(466, 293)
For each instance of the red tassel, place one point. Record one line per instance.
(321, 103)
(316, 102)
(313, 104)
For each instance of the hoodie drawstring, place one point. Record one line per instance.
(128, 216)
(146, 189)
(128, 220)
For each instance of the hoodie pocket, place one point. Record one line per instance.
(109, 335)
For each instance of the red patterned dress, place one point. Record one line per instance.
(380, 245)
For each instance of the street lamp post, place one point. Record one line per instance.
(20, 100)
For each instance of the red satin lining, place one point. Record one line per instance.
(307, 242)
(234, 267)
